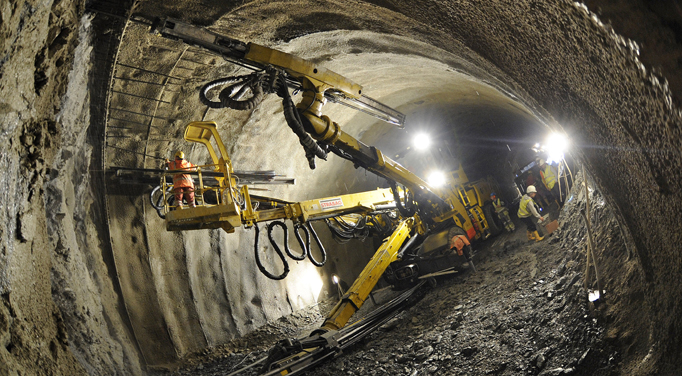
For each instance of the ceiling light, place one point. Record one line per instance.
(421, 141)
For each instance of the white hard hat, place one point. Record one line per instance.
(531, 189)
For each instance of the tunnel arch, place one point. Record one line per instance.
(545, 74)
(571, 71)
(540, 66)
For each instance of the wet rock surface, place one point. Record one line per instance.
(525, 311)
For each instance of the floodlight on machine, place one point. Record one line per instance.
(436, 179)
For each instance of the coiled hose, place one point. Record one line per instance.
(231, 95)
(260, 265)
(157, 202)
(271, 80)
(305, 247)
(319, 244)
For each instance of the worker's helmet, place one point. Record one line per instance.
(531, 189)
(541, 161)
(492, 194)
(179, 154)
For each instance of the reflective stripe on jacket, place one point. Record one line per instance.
(181, 180)
(548, 176)
(523, 206)
(498, 204)
(459, 242)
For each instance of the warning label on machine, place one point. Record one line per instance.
(331, 203)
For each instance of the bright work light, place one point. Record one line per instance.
(555, 146)
(436, 179)
(421, 141)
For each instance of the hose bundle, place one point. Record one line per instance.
(270, 80)
(343, 231)
(231, 96)
(374, 224)
(295, 122)
(409, 208)
(306, 249)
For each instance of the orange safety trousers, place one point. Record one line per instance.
(183, 185)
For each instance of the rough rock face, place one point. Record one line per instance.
(68, 306)
(59, 306)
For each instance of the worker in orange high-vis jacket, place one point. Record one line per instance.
(183, 185)
(460, 243)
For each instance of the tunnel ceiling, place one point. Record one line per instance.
(472, 113)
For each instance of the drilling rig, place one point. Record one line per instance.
(414, 219)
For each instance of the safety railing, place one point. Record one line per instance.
(211, 187)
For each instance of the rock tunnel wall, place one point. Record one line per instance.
(62, 306)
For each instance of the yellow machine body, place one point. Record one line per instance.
(460, 201)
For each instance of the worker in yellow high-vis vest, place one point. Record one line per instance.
(527, 214)
(502, 212)
(549, 178)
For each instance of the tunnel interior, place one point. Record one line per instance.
(91, 281)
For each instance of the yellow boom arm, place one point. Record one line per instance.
(319, 85)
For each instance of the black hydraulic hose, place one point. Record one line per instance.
(226, 95)
(408, 209)
(157, 205)
(304, 245)
(260, 265)
(347, 226)
(294, 121)
(281, 224)
(319, 244)
(341, 237)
